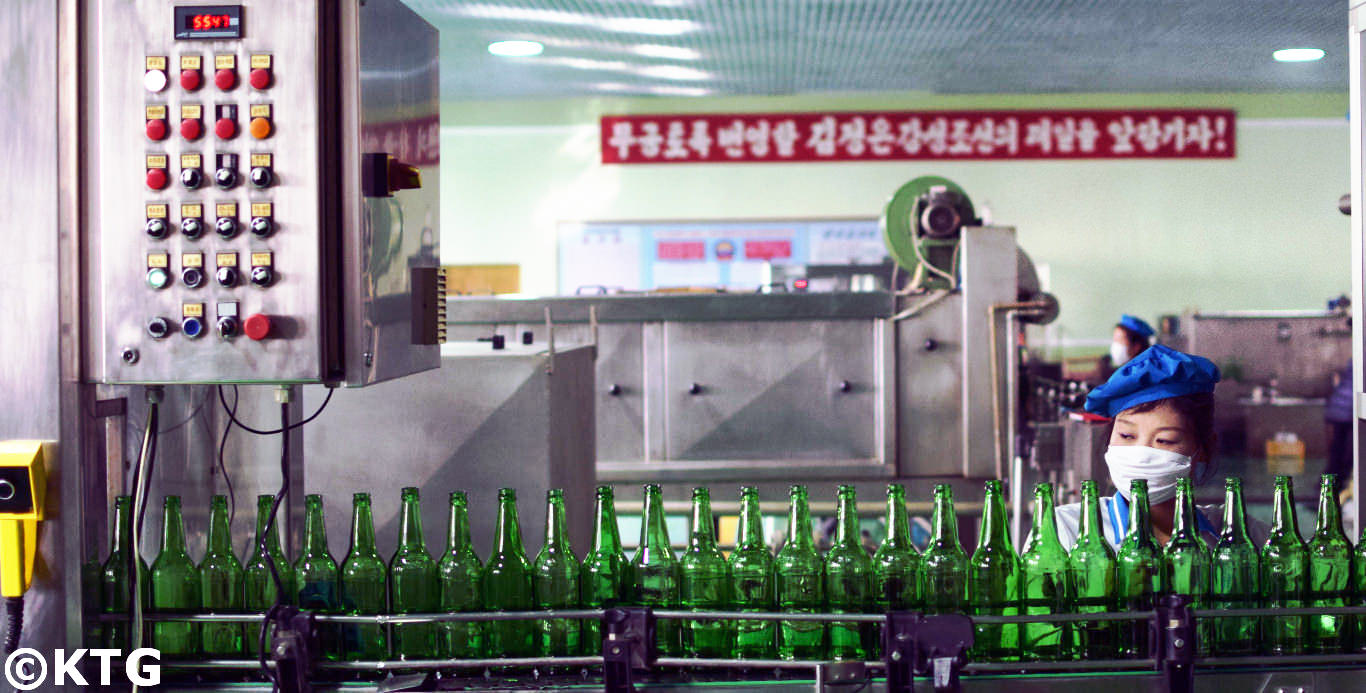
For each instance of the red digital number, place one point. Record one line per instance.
(209, 21)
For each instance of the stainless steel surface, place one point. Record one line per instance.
(347, 80)
(743, 391)
(392, 107)
(990, 278)
(484, 420)
(120, 36)
(677, 307)
(1297, 351)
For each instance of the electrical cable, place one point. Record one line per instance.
(141, 474)
(14, 612)
(222, 468)
(270, 525)
(232, 416)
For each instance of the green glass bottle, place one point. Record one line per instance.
(220, 586)
(1235, 578)
(413, 584)
(848, 581)
(897, 572)
(506, 583)
(946, 564)
(1044, 583)
(461, 573)
(1187, 562)
(751, 575)
(555, 582)
(1359, 590)
(654, 571)
(799, 584)
(175, 586)
(364, 586)
(1330, 573)
(1285, 574)
(116, 580)
(258, 583)
(605, 572)
(994, 581)
(315, 575)
(704, 584)
(1091, 570)
(1139, 571)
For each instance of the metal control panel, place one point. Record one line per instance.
(242, 188)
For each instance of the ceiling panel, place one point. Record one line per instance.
(697, 47)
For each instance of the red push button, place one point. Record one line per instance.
(156, 129)
(260, 78)
(191, 80)
(225, 79)
(156, 178)
(225, 128)
(257, 326)
(191, 129)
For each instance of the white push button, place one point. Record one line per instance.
(154, 80)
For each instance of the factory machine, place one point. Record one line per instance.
(221, 213)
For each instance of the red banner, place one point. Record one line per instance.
(916, 135)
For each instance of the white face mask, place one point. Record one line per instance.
(1119, 354)
(1161, 468)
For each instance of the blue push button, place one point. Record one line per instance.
(192, 327)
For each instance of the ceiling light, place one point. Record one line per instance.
(651, 50)
(516, 49)
(674, 72)
(679, 91)
(643, 25)
(1297, 55)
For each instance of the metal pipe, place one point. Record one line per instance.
(392, 664)
(996, 371)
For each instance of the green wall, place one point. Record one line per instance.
(1146, 237)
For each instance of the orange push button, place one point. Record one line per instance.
(260, 127)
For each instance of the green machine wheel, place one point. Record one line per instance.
(921, 225)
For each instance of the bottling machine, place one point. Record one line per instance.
(220, 211)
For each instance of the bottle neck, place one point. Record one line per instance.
(458, 531)
(1329, 520)
(898, 529)
(220, 535)
(751, 532)
(846, 518)
(1045, 525)
(172, 530)
(1090, 529)
(945, 521)
(1140, 526)
(121, 534)
(703, 536)
(1283, 512)
(1235, 519)
(315, 532)
(607, 537)
(1183, 526)
(799, 522)
(994, 521)
(509, 531)
(410, 526)
(362, 529)
(654, 533)
(556, 528)
(262, 519)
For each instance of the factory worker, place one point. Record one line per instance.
(1130, 338)
(1162, 406)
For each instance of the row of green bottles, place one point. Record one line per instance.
(993, 581)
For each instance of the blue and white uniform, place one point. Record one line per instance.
(1114, 521)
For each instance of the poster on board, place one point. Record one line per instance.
(602, 256)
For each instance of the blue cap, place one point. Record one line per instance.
(1159, 372)
(1136, 325)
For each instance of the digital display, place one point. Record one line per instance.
(208, 22)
